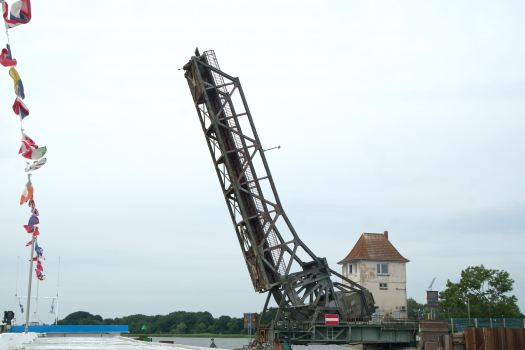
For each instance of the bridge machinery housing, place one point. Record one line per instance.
(278, 261)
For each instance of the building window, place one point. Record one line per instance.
(382, 269)
(383, 285)
(349, 269)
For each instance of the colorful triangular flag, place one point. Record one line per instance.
(33, 220)
(34, 154)
(28, 191)
(36, 165)
(27, 144)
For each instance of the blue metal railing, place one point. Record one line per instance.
(459, 324)
(72, 329)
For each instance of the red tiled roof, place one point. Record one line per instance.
(374, 246)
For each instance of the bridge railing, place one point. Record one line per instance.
(383, 322)
(459, 324)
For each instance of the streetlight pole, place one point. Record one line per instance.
(468, 306)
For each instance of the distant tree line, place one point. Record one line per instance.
(179, 322)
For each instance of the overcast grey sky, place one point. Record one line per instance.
(404, 116)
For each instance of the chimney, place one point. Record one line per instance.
(386, 234)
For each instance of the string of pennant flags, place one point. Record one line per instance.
(19, 14)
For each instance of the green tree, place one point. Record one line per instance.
(233, 326)
(76, 317)
(200, 328)
(486, 289)
(108, 321)
(221, 325)
(88, 322)
(206, 318)
(181, 329)
(416, 310)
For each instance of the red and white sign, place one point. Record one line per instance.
(331, 319)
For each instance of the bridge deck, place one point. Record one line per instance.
(346, 333)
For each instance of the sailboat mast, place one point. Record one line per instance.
(29, 286)
(58, 285)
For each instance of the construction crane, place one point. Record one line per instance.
(278, 261)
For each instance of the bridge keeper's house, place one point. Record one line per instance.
(376, 264)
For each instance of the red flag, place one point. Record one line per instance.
(6, 59)
(24, 147)
(20, 107)
(30, 228)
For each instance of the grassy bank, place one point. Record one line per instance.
(201, 335)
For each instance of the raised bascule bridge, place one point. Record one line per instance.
(278, 261)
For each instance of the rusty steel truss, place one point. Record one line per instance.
(277, 260)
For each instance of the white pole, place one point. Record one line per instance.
(17, 262)
(29, 287)
(36, 305)
(58, 285)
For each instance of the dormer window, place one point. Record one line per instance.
(382, 269)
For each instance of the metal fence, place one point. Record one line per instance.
(459, 324)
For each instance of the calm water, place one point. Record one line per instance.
(235, 343)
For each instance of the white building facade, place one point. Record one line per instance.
(376, 264)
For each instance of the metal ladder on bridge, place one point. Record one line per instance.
(243, 154)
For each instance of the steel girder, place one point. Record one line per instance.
(235, 152)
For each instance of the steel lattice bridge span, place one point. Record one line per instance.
(278, 261)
